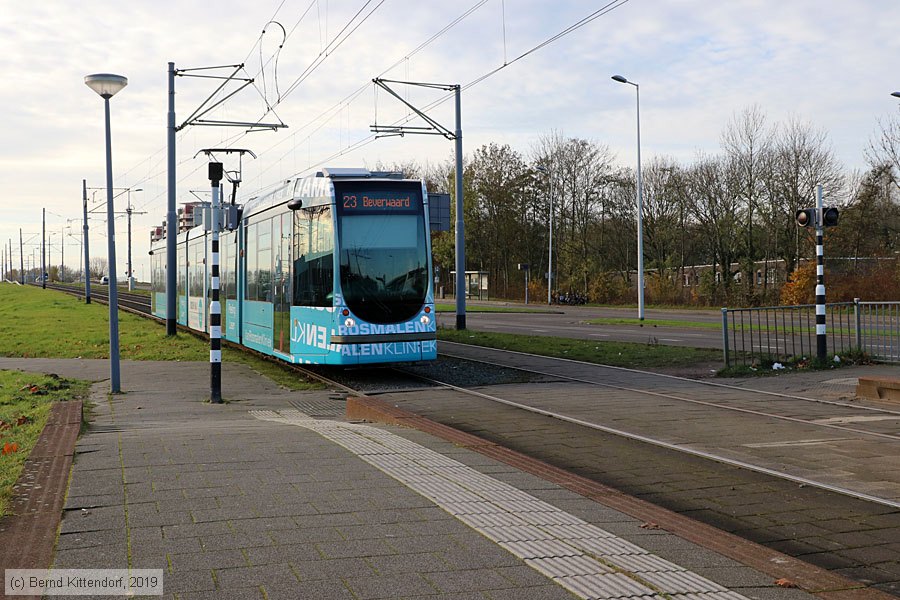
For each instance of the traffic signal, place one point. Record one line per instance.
(806, 217)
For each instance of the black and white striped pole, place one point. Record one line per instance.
(820, 217)
(215, 309)
(821, 337)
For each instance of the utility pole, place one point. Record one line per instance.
(86, 242)
(171, 129)
(130, 211)
(21, 259)
(435, 128)
(62, 253)
(43, 247)
(171, 225)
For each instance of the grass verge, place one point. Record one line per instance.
(49, 324)
(25, 400)
(617, 354)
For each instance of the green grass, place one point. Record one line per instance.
(25, 400)
(618, 354)
(50, 324)
(490, 308)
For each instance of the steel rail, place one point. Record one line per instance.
(664, 375)
(667, 445)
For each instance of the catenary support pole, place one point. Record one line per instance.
(86, 242)
(821, 337)
(460, 233)
(21, 259)
(171, 224)
(43, 248)
(215, 309)
(130, 273)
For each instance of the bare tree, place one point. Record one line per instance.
(714, 204)
(748, 144)
(662, 213)
(99, 267)
(802, 159)
(884, 148)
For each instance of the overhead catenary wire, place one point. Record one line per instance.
(328, 112)
(606, 9)
(336, 109)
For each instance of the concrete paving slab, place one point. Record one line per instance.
(177, 448)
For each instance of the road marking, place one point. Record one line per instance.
(856, 419)
(795, 443)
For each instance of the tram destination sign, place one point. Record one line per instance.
(358, 202)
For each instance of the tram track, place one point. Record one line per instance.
(831, 526)
(834, 526)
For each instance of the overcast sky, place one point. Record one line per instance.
(698, 62)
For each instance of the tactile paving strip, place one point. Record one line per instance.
(585, 559)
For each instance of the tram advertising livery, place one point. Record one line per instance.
(333, 269)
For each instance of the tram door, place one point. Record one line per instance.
(282, 299)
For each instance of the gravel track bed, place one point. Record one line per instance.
(455, 371)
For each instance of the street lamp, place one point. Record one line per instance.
(895, 94)
(107, 86)
(546, 172)
(640, 200)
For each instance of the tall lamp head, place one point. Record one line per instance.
(106, 85)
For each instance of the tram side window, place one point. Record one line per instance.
(259, 261)
(251, 237)
(197, 276)
(182, 269)
(154, 273)
(264, 261)
(226, 266)
(313, 257)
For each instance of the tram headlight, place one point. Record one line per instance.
(424, 319)
(349, 323)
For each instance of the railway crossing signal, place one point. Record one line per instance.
(806, 217)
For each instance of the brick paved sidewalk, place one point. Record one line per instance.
(232, 505)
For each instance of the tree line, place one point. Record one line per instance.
(732, 211)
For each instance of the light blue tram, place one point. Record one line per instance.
(332, 269)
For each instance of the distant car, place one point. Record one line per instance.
(104, 280)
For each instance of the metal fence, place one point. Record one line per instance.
(782, 332)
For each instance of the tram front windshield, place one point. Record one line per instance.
(384, 267)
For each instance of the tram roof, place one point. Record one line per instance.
(318, 186)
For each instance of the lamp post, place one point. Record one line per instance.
(546, 172)
(107, 85)
(640, 200)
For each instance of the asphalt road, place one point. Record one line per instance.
(571, 322)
